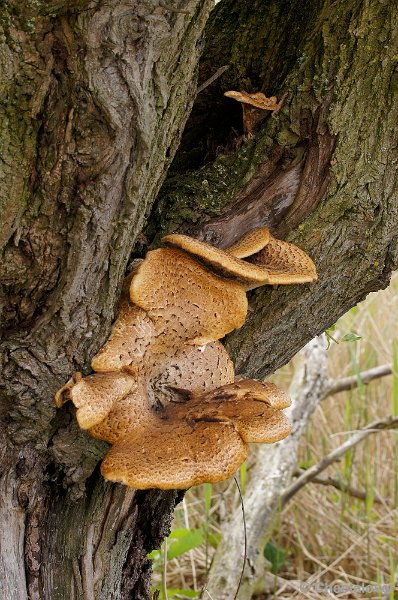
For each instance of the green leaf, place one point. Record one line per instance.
(154, 555)
(214, 539)
(329, 337)
(183, 540)
(276, 556)
(177, 593)
(351, 337)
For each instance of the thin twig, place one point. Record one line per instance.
(245, 534)
(164, 578)
(216, 75)
(341, 486)
(383, 424)
(349, 383)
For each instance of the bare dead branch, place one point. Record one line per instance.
(312, 472)
(349, 383)
(216, 75)
(341, 486)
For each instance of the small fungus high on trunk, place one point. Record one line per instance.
(253, 106)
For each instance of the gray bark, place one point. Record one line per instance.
(93, 104)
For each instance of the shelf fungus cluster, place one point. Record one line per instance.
(164, 392)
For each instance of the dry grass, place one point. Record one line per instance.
(346, 539)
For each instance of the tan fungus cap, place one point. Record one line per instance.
(242, 389)
(257, 99)
(175, 455)
(185, 300)
(285, 263)
(270, 261)
(95, 395)
(131, 335)
(131, 412)
(252, 407)
(203, 440)
(251, 243)
(220, 260)
(194, 369)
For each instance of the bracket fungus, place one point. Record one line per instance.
(270, 261)
(164, 393)
(254, 105)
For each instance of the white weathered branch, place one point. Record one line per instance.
(340, 485)
(351, 382)
(380, 425)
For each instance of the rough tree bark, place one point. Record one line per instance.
(94, 99)
(93, 104)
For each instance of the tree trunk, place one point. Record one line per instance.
(94, 101)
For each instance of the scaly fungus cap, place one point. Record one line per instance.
(95, 395)
(220, 260)
(128, 413)
(111, 404)
(185, 300)
(175, 455)
(251, 243)
(243, 389)
(285, 263)
(212, 430)
(271, 261)
(193, 369)
(252, 406)
(131, 335)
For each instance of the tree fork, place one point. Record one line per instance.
(323, 173)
